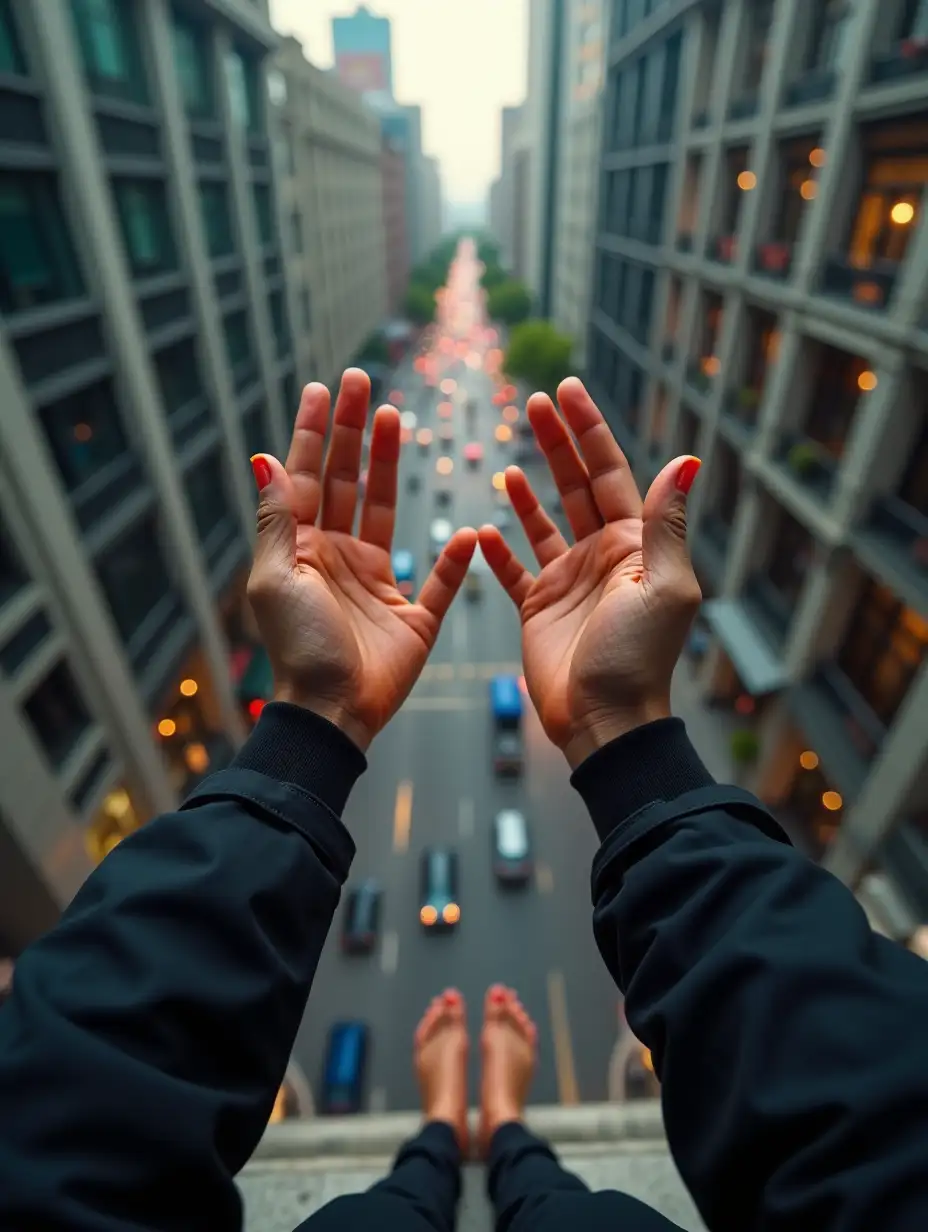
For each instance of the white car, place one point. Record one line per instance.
(440, 531)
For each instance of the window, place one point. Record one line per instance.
(109, 47)
(790, 560)
(254, 428)
(306, 309)
(764, 347)
(895, 176)
(178, 374)
(656, 203)
(761, 19)
(242, 80)
(85, 432)
(883, 649)
(914, 487)
(641, 81)
(207, 495)
(12, 574)
(296, 229)
(830, 25)
(840, 379)
(134, 578)
(738, 181)
(57, 714)
(727, 467)
(146, 229)
(645, 304)
(37, 263)
(275, 304)
(669, 85)
(191, 60)
(238, 346)
(801, 161)
(11, 56)
(689, 430)
(262, 199)
(217, 221)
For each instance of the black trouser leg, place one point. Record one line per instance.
(419, 1195)
(531, 1192)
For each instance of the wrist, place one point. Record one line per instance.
(598, 730)
(336, 713)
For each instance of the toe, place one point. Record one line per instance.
(495, 1002)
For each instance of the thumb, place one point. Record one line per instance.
(666, 558)
(275, 548)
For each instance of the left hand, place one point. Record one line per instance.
(342, 640)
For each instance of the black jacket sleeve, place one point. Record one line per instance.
(791, 1041)
(146, 1035)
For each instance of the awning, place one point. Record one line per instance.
(760, 668)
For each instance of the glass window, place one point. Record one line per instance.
(37, 263)
(11, 56)
(802, 161)
(262, 198)
(254, 429)
(830, 25)
(764, 347)
(241, 77)
(12, 574)
(306, 308)
(839, 381)
(191, 60)
(134, 578)
(790, 559)
(914, 487)
(109, 46)
(85, 432)
(890, 203)
(178, 374)
(146, 228)
(207, 495)
(238, 342)
(275, 303)
(727, 466)
(57, 713)
(296, 224)
(217, 221)
(883, 649)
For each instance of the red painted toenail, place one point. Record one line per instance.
(452, 997)
(498, 995)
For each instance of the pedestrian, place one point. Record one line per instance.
(145, 1036)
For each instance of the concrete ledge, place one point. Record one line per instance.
(376, 1137)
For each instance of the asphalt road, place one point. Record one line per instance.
(430, 781)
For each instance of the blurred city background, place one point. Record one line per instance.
(712, 210)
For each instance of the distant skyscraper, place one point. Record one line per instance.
(363, 57)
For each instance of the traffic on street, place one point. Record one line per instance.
(473, 851)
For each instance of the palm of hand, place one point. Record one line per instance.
(571, 620)
(375, 643)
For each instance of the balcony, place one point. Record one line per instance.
(842, 728)
(702, 119)
(894, 546)
(907, 59)
(744, 107)
(774, 259)
(809, 462)
(740, 410)
(811, 87)
(724, 248)
(869, 288)
(684, 241)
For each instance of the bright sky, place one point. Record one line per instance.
(463, 69)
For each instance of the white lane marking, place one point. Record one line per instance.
(378, 1100)
(390, 952)
(544, 877)
(458, 634)
(466, 816)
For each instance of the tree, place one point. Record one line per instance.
(375, 349)
(488, 251)
(493, 276)
(420, 303)
(510, 302)
(538, 354)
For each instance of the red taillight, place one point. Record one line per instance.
(255, 706)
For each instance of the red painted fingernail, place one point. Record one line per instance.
(262, 471)
(687, 473)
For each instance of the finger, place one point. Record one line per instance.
(343, 461)
(444, 582)
(611, 480)
(664, 551)
(304, 461)
(378, 510)
(547, 541)
(511, 574)
(565, 465)
(275, 546)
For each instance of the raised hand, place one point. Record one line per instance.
(342, 640)
(604, 622)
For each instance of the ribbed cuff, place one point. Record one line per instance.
(294, 745)
(651, 763)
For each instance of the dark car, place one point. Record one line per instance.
(507, 751)
(344, 1069)
(512, 854)
(361, 918)
(439, 907)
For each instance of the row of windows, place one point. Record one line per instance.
(642, 99)
(625, 293)
(633, 202)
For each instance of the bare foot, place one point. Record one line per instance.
(440, 1054)
(509, 1042)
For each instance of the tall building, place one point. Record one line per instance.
(393, 177)
(577, 178)
(401, 125)
(332, 213)
(761, 293)
(363, 55)
(431, 203)
(503, 216)
(144, 354)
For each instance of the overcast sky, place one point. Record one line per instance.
(461, 59)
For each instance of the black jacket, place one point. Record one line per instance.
(147, 1034)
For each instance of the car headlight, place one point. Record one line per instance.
(428, 915)
(451, 913)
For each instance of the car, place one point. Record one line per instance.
(439, 908)
(507, 751)
(413, 484)
(361, 918)
(404, 570)
(512, 856)
(345, 1067)
(506, 709)
(473, 453)
(440, 531)
(473, 587)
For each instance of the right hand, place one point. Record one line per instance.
(605, 620)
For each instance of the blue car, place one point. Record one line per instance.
(404, 570)
(344, 1069)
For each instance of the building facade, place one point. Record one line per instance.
(761, 300)
(363, 51)
(144, 355)
(331, 198)
(501, 203)
(393, 177)
(432, 208)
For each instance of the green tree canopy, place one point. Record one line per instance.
(375, 349)
(488, 251)
(538, 354)
(493, 276)
(510, 302)
(420, 303)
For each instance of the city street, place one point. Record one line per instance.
(430, 781)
